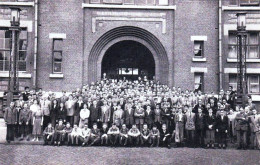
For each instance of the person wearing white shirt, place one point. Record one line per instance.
(84, 116)
(75, 135)
(85, 135)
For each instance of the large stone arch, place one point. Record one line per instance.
(128, 33)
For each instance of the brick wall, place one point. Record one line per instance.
(196, 18)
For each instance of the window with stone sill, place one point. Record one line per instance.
(199, 81)
(57, 56)
(198, 49)
(244, 2)
(253, 45)
(253, 83)
(5, 49)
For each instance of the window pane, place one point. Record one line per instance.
(4, 55)
(57, 67)
(232, 51)
(22, 44)
(127, 71)
(233, 81)
(232, 39)
(57, 44)
(254, 79)
(163, 2)
(57, 57)
(253, 51)
(198, 48)
(7, 43)
(198, 81)
(2, 43)
(22, 55)
(94, 1)
(253, 38)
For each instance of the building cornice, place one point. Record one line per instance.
(26, 4)
(239, 8)
(86, 5)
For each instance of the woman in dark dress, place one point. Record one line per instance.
(53, 112)
(61, 113)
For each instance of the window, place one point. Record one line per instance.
(232, 45)
(244, 2)
(57, 55)
(252, 45)
(253, 84)
(233, 81)
(198, 48)
(198, 81)
(5, 39)
(22, 51)
(128, 71)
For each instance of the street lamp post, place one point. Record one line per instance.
(241, 59)
(13, 84)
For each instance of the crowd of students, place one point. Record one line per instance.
(133, 113)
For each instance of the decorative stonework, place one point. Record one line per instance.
(129, 16)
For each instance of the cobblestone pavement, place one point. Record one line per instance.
(41, 155)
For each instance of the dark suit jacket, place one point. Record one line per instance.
(210, 121)
(61, 114)
(129, 117)
(165, 114)
(54, 111)
(149, 117)
(94, 113)
(78, 107)
(222, 125)
(166, 134)
(200, 122)
(10, 115)
(240, 124)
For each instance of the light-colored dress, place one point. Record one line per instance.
(37, 115)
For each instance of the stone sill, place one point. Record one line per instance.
(247, 60)
(56, 75)
(197, 59)
(239, 8)
(30, 4)
(86, 5)
(20, 74)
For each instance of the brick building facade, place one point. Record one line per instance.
(191, 41)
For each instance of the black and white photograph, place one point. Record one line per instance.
(138, 82)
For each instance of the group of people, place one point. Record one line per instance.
(133, 113)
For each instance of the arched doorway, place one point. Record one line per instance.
(93, 70)
(128, 59)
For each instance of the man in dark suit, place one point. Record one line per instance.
(199, 105)
(78, 106)
(149, 116)
(222, 129)
(165, 137)
(241, 126)
(129, 115)
(10, 117)
(200, 127)
(94, 113)
(166, 116)
(210, 122)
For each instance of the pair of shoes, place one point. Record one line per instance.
(169, 146)
(224, 146)
(212, 146)
(83, 144)
(151, 145)
(58, 143)
(33, 139)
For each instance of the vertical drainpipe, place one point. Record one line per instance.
(35, 44)
(220, 46)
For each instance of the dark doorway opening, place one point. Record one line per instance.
(129, 59)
